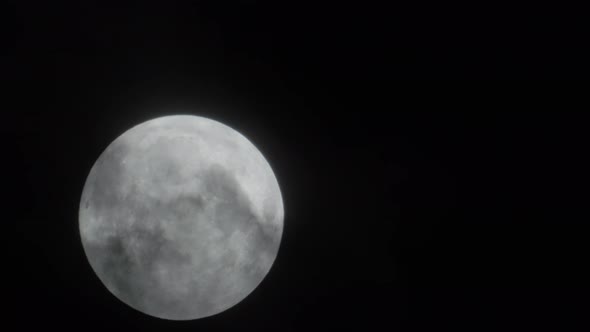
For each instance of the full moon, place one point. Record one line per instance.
(181, 217)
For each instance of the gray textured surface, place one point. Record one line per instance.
(181, 217)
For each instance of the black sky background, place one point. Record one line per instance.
(410, 205)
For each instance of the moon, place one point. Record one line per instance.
(181, 217)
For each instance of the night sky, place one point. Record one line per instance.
(413, 202)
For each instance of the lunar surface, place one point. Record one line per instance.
(181, 217)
